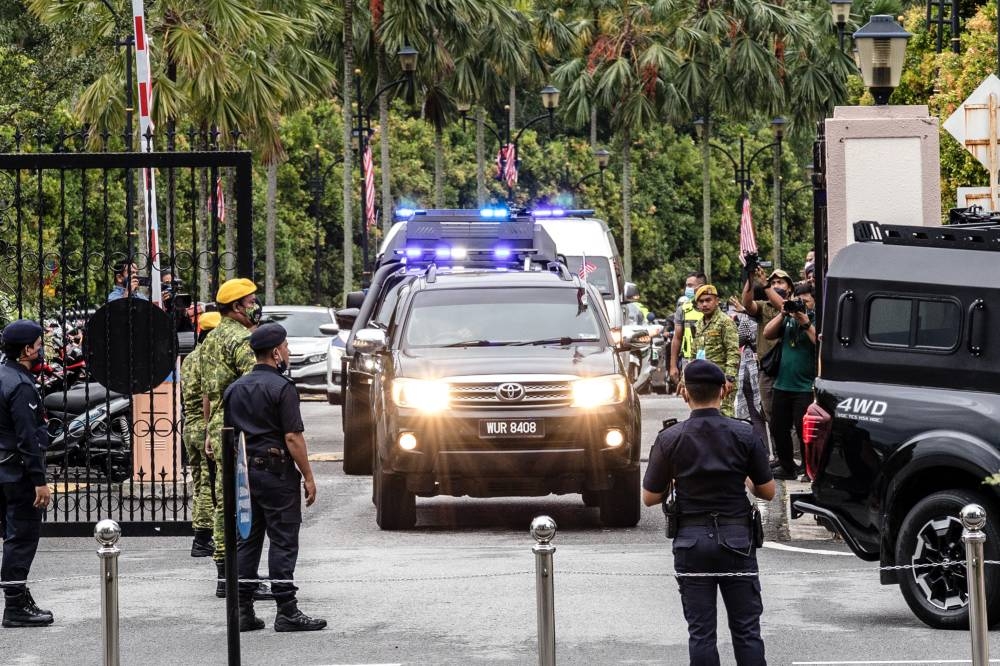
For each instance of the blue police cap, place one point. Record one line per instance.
(21, 332)
(267, 336)
(700, 371)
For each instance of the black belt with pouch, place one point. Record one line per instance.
(276, 461)
(674, 521)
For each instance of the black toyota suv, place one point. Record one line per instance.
(501, 383)
(905, 425)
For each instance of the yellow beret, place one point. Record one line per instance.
(209, 320)
(706, 289)
(235, 289)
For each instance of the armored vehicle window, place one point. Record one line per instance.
(913, 323)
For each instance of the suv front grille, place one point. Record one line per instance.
(536, 394)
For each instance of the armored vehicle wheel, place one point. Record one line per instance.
(395, 506)
(357, 438)
(931, 533)
(620, 504)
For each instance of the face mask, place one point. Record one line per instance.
(38, 361)
(282, 364)
(689, 292)
(254, 313)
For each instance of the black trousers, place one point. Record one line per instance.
(787, 410)
(20, 524)
(719, 550)
(276, 508)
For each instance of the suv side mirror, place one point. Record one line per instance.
(346, 317)
(329, 329)
(354, 299)
(631, 292)
(369, 340)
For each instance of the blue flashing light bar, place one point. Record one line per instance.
(494, 213)
(562, 212)
(501, 252)
(407, 213)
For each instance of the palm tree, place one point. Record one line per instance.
(627, 71)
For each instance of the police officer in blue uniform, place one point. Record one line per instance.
(24, 493)
(709, 462)
(264, 405)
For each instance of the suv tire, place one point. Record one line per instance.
(931, 532)
(357, 438)
(395, 506)
(620, 503)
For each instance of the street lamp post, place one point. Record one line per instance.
(602, 158)
(317, 185)
(550, 102)
(408, 63)
(881, 47)
(841, 14)
(741, 173)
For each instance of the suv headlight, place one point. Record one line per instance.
(316, 358)
(598, 391)
(422, 394)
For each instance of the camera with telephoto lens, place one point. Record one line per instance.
(793, 306)
(142, 280)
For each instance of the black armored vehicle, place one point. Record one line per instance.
(905, 426)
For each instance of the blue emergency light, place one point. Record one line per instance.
(562, 212)
(494, 213)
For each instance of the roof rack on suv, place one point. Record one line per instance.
(970, 236)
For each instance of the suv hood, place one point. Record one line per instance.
(585, 360)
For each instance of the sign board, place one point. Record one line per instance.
(243, 509)
(976, 125)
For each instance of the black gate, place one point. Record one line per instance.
(68, 218)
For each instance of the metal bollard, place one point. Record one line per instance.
(974, 519)
(543, 528)
(107, 533)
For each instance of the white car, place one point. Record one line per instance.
(338, 344)
(310, 331)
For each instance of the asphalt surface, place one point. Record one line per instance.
(460, 589)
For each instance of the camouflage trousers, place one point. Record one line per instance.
(203, 510)
(728, 407)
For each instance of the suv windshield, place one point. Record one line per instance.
(300, 324)
(485, 316)
(598, 272)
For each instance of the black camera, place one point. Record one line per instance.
(142, 280)
(793, 306)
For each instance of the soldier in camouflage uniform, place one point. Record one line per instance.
(225, 357)
(716, 339)
(192, 400)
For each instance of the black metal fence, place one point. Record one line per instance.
(70, 211)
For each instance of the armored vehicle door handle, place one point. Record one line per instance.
(977, 327)
(845, 317)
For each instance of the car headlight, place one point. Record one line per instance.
(597, 391)
(316, 358)
(421, 394)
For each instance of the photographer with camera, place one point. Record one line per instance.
(176, 302)
(127, 281)
(795, 329)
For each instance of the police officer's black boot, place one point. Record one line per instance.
(290, 618)
(203, 545)
(248, 619)
(220, 586)
(21, 611)
(263, 591)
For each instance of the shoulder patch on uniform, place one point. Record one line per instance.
(668, 423)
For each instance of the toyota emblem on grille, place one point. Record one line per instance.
(510, 392)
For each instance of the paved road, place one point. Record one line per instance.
(459, 589)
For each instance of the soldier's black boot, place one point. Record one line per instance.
(263, 591)
(248, 619)
(21, 611)
(290, 618)
(220, 586)
(203, 545)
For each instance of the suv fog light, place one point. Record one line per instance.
(614, 438)
(407, 441)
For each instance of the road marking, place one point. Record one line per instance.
(817, 551)
(904, 662)
(326, 457)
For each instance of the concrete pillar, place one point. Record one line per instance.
(882, 164)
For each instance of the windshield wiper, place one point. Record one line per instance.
(477, 343)
(565, 340)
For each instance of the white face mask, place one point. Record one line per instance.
(689, 292)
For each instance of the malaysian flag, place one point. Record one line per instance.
(507, 164)
(369, 186)
(586, 268)
(748, 239)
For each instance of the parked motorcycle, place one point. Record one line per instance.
(90, 427)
